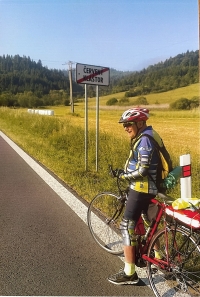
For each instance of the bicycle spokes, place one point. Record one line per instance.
(178, 272)
(104, 217)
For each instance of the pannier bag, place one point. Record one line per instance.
(190, 218)
(183, 203)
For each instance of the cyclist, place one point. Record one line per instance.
(142, 162)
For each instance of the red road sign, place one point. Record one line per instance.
(92, 75)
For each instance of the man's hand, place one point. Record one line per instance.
(117, 172)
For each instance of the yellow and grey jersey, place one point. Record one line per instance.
(142, 163)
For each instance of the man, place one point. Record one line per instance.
(141, 171)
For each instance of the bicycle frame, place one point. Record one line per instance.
(169, 247)
(143, 246)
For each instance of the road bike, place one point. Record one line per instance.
(176, 271)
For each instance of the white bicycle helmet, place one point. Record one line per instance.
(135, 115)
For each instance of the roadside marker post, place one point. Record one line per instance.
(92, 75)
(185, 180)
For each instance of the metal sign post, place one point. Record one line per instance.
(92, 75)
(86, 129)
(97, 126)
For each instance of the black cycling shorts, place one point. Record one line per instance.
(137, 202)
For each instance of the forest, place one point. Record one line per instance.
(26, 83)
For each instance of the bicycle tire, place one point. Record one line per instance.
(183, 277)
(104, 216)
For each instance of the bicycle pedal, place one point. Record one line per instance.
(154, 270)
(140, 263)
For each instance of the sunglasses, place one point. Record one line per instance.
(126, 125)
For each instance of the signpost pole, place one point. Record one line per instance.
(86, 129)
(97, 126)
(92, 75)
(70, 84)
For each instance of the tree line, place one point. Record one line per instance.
(24, 82)
(173, 73)
(20, 74)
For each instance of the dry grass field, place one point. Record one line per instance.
(157, 99)
(179, 129)
(61, 140)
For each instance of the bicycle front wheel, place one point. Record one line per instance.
(181, 274)
(104, 216)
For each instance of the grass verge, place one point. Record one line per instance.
(58, 143)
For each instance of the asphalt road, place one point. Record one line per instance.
(45, 246)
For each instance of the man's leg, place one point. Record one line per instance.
(135, 204)
(128, 274)
(129, 254)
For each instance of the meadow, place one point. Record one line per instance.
(58, 142)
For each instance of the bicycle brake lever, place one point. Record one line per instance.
(112, 172)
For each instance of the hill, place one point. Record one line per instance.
(173, 73)
(155, 99)
(27, 83)
(20, 74)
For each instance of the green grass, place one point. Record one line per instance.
(158, 98)
(61, 142)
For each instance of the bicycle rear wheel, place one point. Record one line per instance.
(104, 216)
(181, 276)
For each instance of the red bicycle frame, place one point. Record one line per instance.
(143, 246)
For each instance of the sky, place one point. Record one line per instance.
(126, 35)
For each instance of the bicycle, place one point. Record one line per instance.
(177, 271)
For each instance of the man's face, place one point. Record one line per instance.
(131, 129)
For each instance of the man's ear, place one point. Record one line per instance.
(140, 124)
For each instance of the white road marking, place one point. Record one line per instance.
(77, 206)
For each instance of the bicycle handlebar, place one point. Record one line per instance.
(115, 174)
(112, 171)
